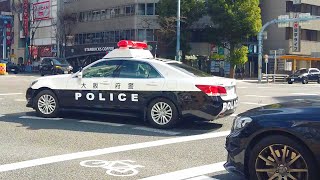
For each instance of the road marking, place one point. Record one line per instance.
(10, 94)
(157, 130)
(202, 178)
(264, 87)
(234, 115)
(189, 173)
(242, 87)
(257, 96)
(20, 100)
(109, 150)
(305, 94)
(34, 117)
(251, 103)
(101, 123)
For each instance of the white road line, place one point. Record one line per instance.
(257, 96)
(101, 123)
(191, 172)
(242, 87)
(264, 87)
(251, 103)
(20, 100)
(34, 117)
(10, 94)
(202, 178)
(305, 94)
(157, 130)
(109, 150)
(234, 115)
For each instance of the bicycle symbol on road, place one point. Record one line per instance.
(114, 168)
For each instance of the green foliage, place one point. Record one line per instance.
(191, 11)
(239, 56)
(235, 20)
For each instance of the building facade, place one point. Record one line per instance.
(5, 10)
(300, 41)
(101, 24)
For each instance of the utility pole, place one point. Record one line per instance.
(260, 35)
(178, 32)
(4, 43)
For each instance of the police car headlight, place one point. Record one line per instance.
(241, 122)
(33, 83)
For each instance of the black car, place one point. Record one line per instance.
(54, 66)
(304, 76)
(278, 141)
(10, 66)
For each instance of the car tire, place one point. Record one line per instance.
(169, 116)
(46, 104)
(304, 81)
(262, 149)
(318, 81)
(290, 82)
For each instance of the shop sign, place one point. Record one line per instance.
(296, 37)
(26, 17)
(98, 49)
(41, 10)
(8, 33)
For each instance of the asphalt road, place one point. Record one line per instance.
(83, 146)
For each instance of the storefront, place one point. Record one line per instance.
(291, 63)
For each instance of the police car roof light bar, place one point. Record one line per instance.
(124, 44)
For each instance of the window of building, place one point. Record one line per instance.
(108, 13)
(141, 9)
(76, 39)
(289, 33)
(149, 35)
(133, 34)
(103, 14)
(112, 36)
(141, 34)
(128, 34)
(95, 15)
(129, 10)
(289, 6)
(156, 9)
(150, 8)
(117, 36)
(311, 35)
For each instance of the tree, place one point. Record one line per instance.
(64, 27)
(191, 11)
(235, 21)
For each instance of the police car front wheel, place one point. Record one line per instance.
(162, 113)
(47, 104)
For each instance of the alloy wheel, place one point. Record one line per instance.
(281, 162)
(46, 104)
(161, 113)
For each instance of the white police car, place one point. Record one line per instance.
(130, 81)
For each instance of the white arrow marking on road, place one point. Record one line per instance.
(191, 172)
(10, 94)
(34, 117)
(101, 123)
(157, 130)
(110, 150)
(202, 178)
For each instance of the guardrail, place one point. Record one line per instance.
(274, 77)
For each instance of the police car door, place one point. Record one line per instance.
(92, 90)
(135, 83)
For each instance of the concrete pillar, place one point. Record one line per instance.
(294, 65)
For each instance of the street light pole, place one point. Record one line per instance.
(178, 32)
(4, 47)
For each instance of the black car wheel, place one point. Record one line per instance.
(46, 104)
(162, 113)
(280, 157)
(304, 81)
(318, 81)
(290, 82)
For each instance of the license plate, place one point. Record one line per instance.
(13, 70)
(292, 79)
(66, 72)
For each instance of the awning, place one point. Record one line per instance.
(302, 58)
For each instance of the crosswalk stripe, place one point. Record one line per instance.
(157, 131)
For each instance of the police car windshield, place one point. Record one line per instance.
(189, 70)
(60, 62)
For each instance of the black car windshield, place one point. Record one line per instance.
(300, 71)
(60, 62)
(189, 70)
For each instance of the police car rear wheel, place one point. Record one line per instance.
(47, 104)
(162, 113)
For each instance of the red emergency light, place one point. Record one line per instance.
(132, 44)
